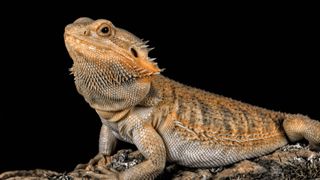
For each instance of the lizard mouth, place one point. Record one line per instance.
(80, 44)
(75, 40)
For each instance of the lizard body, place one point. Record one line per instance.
(166, 120)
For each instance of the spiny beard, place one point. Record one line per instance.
(98, 77)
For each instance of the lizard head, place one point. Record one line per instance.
(107, 58)
(100, 42)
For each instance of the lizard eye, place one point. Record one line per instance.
(134, 52)
(104, 30)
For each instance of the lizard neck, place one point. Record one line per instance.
(155, 94)
(113, 116)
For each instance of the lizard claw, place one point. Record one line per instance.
(99, 159)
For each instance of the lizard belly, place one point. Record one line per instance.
(198, 154)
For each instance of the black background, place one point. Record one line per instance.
(263, 55)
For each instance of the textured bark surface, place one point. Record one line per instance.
(289, 162)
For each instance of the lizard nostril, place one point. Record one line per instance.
(86, 33)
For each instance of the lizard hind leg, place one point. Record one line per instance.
(298, 127)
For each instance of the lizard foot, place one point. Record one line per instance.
(98, 173)
(99, 159)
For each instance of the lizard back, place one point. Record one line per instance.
(210, 117)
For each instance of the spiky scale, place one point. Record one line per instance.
(150, 49)
(152, 59)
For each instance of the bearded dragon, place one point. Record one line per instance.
(164, 119)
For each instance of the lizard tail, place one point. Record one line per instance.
(298, 127)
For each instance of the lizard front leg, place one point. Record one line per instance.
(151, 145)
(107, 141)
(107, 144)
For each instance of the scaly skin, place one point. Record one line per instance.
(166, 120)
